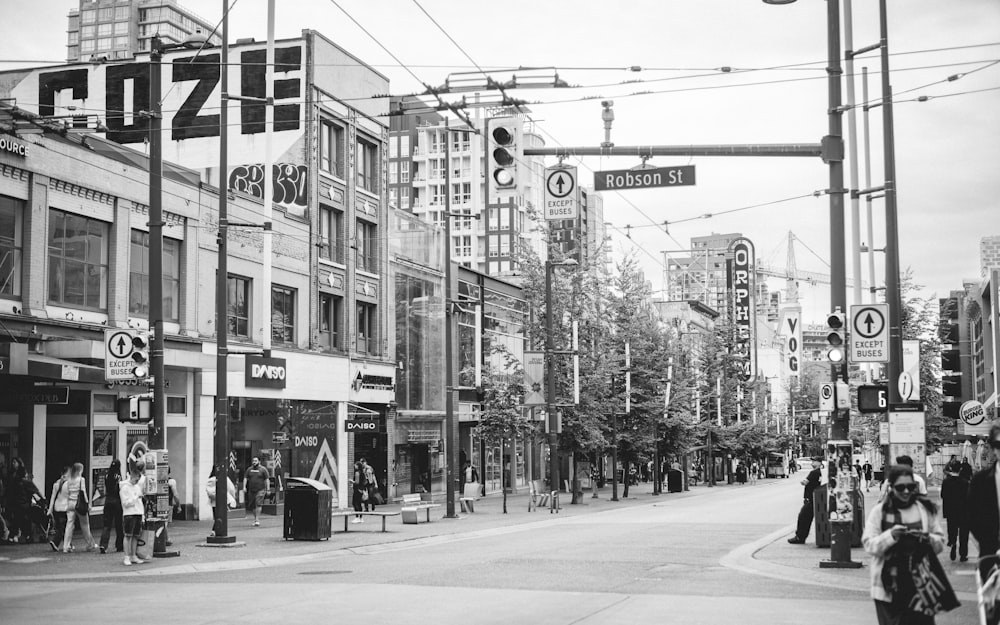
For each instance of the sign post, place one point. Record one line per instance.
(561, 193)
(869, 336)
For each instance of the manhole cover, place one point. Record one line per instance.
(325, 572)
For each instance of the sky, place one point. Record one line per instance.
(947, 147)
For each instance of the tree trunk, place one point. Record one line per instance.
(574, 482)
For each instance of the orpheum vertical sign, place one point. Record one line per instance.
(741, 286)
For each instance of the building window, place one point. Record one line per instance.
(121, 43)
(104, 30)
(331, 234)
(88, 32)
(331, 311)
(121, 28)
(78, 261)
(282, 314)
(366, 244)
(89, 16)
(11, 211)
(238, 315)
(74, 38)
(138, 277)
(106, 15)
(367, 165)
(104, 43)
(87, 45)
(404, 172)
(331, 138)
(121, 13)
(461, 193)
(367, 328)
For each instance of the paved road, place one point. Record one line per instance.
(657, 560)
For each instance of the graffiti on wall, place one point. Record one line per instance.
(290, 184)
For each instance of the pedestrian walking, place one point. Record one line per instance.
(903, 533)
(741, 473)
(754, 473)
(859, 472)
(113, 508)
(954, 508)
(58, 502)
(982, 507)
(130, 492)
(867, 470)
(257, 483)
(22, 495)
(371, 486)
(805, 519)
(359, 492)
(77, 509)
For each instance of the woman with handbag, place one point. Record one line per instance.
(77, 509)
(903, 533)
(210, 491)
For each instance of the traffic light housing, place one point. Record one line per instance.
(836, 326)
(505, 146)
(951, 358)
(140, 355)
(134, 409)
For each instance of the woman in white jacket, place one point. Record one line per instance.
(210, 491)
(902, 520)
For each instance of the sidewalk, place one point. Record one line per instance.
(773, 556)
(265, 543)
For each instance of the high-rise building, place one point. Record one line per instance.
(487, 240)
(118, 29)
(701, 276)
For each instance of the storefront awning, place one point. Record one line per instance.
(50, 368)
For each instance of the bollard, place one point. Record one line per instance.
(840, 547)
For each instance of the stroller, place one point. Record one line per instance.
(39, 522)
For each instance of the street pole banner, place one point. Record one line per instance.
(534, 378)
(911, 366)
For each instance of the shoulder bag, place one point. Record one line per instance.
(82, 503)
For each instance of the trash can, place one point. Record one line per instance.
(675, 481)
(308, 507)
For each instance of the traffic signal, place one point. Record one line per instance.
(140, 355)
(836, 323)
(134, 409)
(505, 153)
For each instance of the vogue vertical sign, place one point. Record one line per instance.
(741, 286)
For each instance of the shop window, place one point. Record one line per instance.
(331, 234)
(366, 159)
(104, 402)
(238, 315)
(11, 212)
(367, 247)
(282, 314)
(331, 138)
(78, 261)
(176, 405)
(138, 277)
(367, 325)
(330, 314)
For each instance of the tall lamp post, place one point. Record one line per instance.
(550, 373)
(157, 435)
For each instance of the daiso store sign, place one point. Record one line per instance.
(265, 372)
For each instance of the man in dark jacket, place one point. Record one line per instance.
(954, 499)
(982, 507)
(806, 512)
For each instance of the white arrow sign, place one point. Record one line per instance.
(869, 333)
(561, 193)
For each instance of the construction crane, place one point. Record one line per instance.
(792, 274)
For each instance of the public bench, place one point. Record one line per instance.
(351, 513)
(469, 496)
(412, 505)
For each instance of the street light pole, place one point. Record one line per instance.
(221, 534)
(550, 385)
(157, 435)
(451, 441)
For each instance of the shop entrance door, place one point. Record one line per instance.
(63, 446)
(421, 468)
